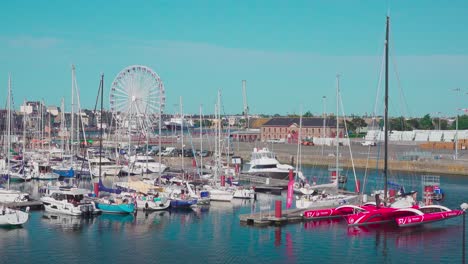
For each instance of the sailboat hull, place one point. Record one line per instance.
(116, 208)
(10, 217)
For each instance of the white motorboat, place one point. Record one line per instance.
(263, 162)
(68, 200)
(43, 172)
(12, 217)
(108, 168)
(142, 164)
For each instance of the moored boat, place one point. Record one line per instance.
(12, 217)
(427, 214)
(68, 200)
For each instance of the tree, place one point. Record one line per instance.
(307, 114)
(351, 126)
(462, 123)
(443, 124)
(358, 123)
(412, 124)
(426, 122)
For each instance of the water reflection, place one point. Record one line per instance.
(67, 222)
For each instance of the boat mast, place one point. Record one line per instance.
(9, 129)
(101, 89)
(201, 142)
(62, 146)
(337, 171)
(299, 147)
(386, 111)
(72, 122)
(159, 137)
(182, 134)
(24, 131)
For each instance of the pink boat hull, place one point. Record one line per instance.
(337, 212)
(427, 218)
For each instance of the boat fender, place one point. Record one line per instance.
(146, 205)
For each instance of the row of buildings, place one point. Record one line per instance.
(277, 128)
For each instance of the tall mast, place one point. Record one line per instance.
(337, 172)
(182, 131)
(62, 106)
(386, 111)
(101, 89)
(24, 129)
(159, 137)
(219, 166)
(72, 123)
(9, 129)
(201, 142)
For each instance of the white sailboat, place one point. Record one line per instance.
(7, 195)
(10, 216)
(313, 198)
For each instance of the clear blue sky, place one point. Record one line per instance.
(288, 51)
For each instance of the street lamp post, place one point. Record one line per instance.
(456, 127)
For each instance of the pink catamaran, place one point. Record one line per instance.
(405, 213)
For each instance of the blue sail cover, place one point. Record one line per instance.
(105, 189)
(70, 173)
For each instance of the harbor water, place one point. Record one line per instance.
(214, 234)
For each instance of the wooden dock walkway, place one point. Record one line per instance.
(268, 218)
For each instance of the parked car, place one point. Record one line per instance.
(188, 153)
(369, 143)
(203, 153)
(169, 151)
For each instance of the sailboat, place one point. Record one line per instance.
(9, 216)
(312, 198)
(408, 214)
(369, 213)
(114, 204)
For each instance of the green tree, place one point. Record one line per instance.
(358, 123)
(412, 124)
(443, 124)
(351, 127)
(307, 114)
(462, 122)
(426, 122)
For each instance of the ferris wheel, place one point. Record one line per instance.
(137, 98)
